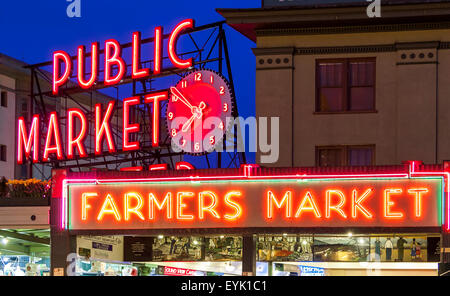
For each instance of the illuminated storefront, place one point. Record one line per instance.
(295, 221)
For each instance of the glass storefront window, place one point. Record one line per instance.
(399, 248)
(284, 248)
(176, 248)
(221, 248)
(341, 248)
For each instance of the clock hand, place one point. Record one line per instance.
(180, 96)
(197, 113)
(188, 123)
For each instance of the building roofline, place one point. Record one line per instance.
(250, 20)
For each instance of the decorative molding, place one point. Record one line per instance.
(352, 29)
(273, 51)
(345, 49)
(276, 68)
(416, 63)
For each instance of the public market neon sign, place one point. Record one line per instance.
(115, 204)
(28, 138)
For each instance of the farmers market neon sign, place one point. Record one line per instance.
(265, 202)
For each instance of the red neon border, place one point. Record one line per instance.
(247, 172)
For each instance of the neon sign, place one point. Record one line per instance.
(368, 202)
(112, 58)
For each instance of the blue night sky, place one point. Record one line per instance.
(31, 30)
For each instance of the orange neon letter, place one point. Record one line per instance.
(356, 203)
(109, 207)
(136, 209)
(53, 130)
(23, 141)
(103, 128)
(237, 208)
(312, 206)
(287, 201)
(167, 202)
(156, 98)
(70, 129)
(388, 203)
(210, 208)
(418, 194)
(337, 208)
(181, 206)
(85, 205)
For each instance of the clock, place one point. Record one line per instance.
(197, 111)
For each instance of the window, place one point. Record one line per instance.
(328, 156)
(344, 85)
(4, 99)
(2, 153)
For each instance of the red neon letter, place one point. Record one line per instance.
(418, 194)
(181, 206)
(115, 59)
(176, 61)
(337, 208)
(109, 207)
(183, 165)
(237, 208)
(312, 206)
(104, 128)
(85, 205)
(287, 199)
(70, 129)
(157, 51)
(53, 130)
(157, 167)
(156, 98)
(136, 209)
(127, 127)
(23, 140)
(58, 57)
(137, 73)
(167, 202)
(81, 65)
(210, 208)
(356, 203)
(388, 203)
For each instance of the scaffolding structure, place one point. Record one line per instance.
(209, 50)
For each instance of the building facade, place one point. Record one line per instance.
(352, 90)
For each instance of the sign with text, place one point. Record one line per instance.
(373, 202)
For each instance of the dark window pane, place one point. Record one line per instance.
(331, 99)
(4, 99)
(360, 156)
(3, 153)
(330, 74)
(361, 73)
(361, 98)
(330, 157)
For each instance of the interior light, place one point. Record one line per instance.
(222, 236)
(195, 242)
(160, 236)
(361, 241)
(5, 240)
(304, 242)
(349, 234)
(284, 234)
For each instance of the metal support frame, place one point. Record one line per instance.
(212, 53)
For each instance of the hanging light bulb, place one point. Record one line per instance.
(5, 241)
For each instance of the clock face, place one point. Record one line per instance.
(197, 111)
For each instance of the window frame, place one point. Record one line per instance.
(346, 78)
(345, 150)
(3, 148)
(4, 95)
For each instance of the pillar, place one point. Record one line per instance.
(249, 255)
